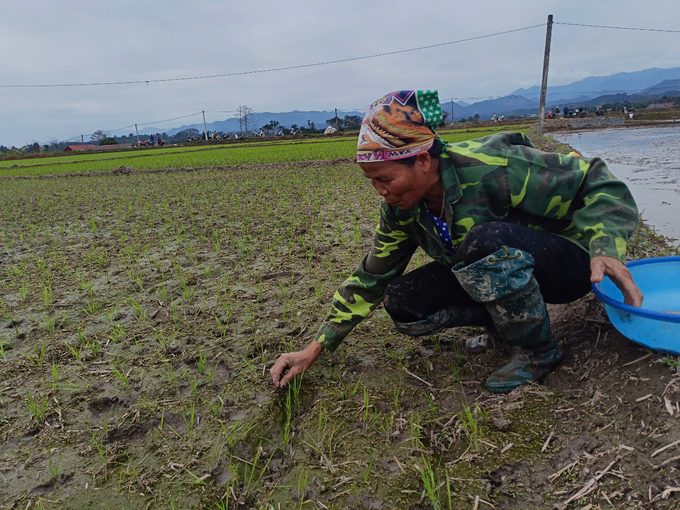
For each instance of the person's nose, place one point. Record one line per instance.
(380, 188)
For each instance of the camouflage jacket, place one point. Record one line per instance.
(500, 177)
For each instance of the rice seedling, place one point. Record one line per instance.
(119, 371)
(23, 291)
(201, 361)
(94, 345)
(288, 407)
(252, 473)
(302, 479)
(140, 314)
(91, 306)
(163, 292)
(117, 333)
(366, 406)
(38, 357)
(47, 293)
(471, 423)
(348, 391)
(190, 419)
(4, 342)
(38, 407)
(50, 325)
(433, 485)
(54, 467)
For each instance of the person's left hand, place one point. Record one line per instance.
(620, 275)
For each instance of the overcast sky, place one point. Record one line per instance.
(85, 41)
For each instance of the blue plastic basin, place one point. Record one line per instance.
(653, 325)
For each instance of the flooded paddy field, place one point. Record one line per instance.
(140, 313)
(648, 160)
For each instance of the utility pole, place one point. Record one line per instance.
(544, 83)
(205, 129)
(137, 131)
(82, 139)
(452, 111)
(336, 120)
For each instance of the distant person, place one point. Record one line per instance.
(566, 111)
(494, 215)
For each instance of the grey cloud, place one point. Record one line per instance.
(52, 42)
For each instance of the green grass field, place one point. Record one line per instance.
(203, 156)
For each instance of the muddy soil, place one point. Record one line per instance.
(139, 314)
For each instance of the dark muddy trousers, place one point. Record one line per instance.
(562, 270)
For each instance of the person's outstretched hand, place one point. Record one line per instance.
(295, 363)
(620, 275)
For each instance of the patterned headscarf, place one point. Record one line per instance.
(399, 125)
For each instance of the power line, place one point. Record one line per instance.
(167, 120)
(270, 70)
(619, 28)
(114, 130)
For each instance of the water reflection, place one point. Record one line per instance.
(648, 160)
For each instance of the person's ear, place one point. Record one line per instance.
(423, 162)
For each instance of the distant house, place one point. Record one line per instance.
(88, 147)
(659, 106)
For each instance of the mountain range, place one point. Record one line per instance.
(594, 90)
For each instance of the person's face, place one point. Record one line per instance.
(400, 185)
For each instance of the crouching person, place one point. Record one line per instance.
(509, 228)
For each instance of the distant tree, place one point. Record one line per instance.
(182, 136)
(272, 127)
(108, 141)
(54, 145)
(476, 117)
(351, 123)
(4, 149)
(444, 117)
(310, 125)
(33, 148)
(97, 136)
(294, 126)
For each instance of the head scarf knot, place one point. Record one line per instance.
(399, 125)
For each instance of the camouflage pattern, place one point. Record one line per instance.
(501, 177)
(504, 282)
